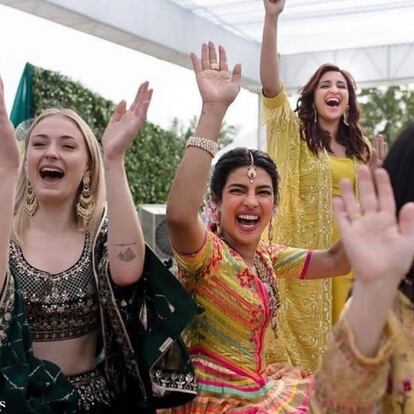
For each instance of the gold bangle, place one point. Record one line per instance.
(205, 144)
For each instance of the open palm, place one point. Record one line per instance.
(125, 124)
(217, 86)
(378, 246)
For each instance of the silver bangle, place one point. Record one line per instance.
(205, 144)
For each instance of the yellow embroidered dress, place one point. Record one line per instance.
(304, 219)
(228, 340)
(349, 383)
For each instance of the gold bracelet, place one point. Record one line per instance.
(205, 144)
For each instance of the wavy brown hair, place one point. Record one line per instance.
(351, 137)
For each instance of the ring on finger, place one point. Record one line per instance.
(354, 216)
(214, 66)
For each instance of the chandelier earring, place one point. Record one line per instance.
(85, 205)
(31, 202)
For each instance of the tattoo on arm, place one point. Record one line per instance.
(127, 255)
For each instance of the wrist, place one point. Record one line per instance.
(380, 292)
(217, 109)
(271, 18)
(114, 162)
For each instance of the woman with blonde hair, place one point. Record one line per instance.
(76, 239)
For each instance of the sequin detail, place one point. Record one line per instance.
(92, 389)
(62, 305)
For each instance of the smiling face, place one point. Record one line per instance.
(331, 96)
(56, 159)
(246, 208)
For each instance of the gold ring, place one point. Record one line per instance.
(355, 215)
(214, 66)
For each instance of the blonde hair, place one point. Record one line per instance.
(97, 184)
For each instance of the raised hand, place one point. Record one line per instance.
(274, 7)
(215, 83)
(126, 123)
(379, 247)
(9, 150)
(379, 151)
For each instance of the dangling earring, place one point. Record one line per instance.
(32, 203)
(217, 219)
(85, 204)
(346, 116)
(315, 114)
(270, 235)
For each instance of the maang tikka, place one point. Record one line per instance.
(251, 171)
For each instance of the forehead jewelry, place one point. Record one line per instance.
(251, 171)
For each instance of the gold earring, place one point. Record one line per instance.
(85, 205)
(32, 203)
(315, 114)
(346, 116)
(217, 219)
(270, 235)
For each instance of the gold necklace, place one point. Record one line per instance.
(269, 282)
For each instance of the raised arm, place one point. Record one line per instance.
(269, 61)
(9, 166)
(218, 88)
(380, 249)
(126, 247)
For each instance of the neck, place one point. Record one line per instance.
(247, 252)
(331, 127)
(52, 218)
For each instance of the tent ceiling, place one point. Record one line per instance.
(313, 25)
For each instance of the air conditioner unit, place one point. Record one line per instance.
(155, 230)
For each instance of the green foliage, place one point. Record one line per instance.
(386, 109)
(153, 157)
(184, 131)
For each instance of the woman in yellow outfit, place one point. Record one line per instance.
(313, 150)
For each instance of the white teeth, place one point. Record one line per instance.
(51, 169)
(247, 217)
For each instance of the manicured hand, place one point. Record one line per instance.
(9, 150)
(379, 246)
(274, 7)
(126, 123)
(217, 86)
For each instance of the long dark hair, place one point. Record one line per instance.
(350, 136)
(399, 164)
(240, 157)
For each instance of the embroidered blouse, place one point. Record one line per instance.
(228, 340)
(60, 306)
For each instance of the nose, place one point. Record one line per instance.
(334, 88)
(251, 200)
(51, 152)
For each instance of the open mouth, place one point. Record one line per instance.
(51, 174)
(332, 102)
(247, 220)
